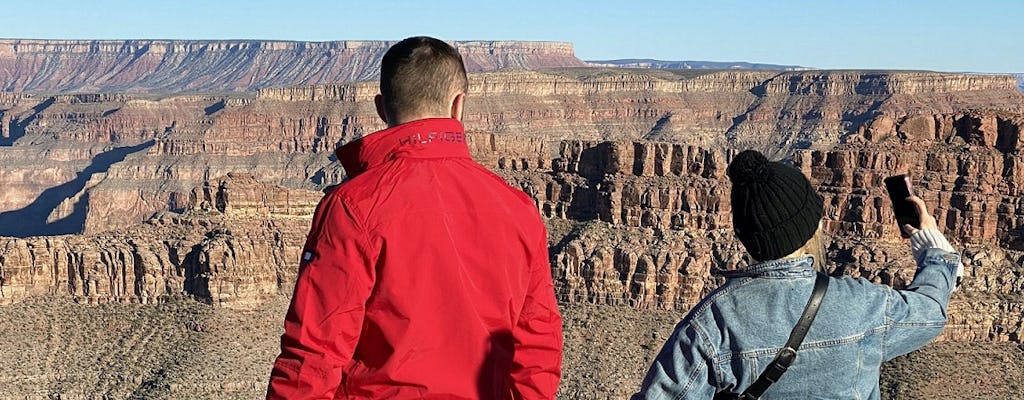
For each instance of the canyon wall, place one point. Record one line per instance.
(210, 196)
(236, 245)
(662, 64)
(647, 229)
(174, 66)
(108, 161)
(633, 224)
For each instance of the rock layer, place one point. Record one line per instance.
(173, 66)
(113, 160)
(628, 169)
(235, 245)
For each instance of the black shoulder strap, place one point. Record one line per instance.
(787, 355)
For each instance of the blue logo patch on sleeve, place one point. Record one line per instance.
(308, 256)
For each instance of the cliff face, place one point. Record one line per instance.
(57, 149)
(235, 246)
(111, 160)
(626, 167)
(663, 223)
(172, 66)
(634, 224)
(662, 64)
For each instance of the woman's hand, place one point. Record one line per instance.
(918, 245)
(927, 220)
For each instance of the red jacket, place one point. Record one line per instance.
(424, 276)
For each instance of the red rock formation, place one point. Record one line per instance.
(236, 254)
(665, 223)
(66, 145)
(173, 66)
(628, 168)
(242, 195)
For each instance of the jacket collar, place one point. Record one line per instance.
(425, 138)
(782, 268)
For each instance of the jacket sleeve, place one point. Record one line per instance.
(537, 361)
(917, 314)
(682, 369)
(322, 327)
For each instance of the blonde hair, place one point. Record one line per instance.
(814, 247)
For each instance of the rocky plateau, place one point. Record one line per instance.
(662, 64)
(124, 203)
(175, 66)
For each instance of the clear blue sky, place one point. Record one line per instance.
(943, 35)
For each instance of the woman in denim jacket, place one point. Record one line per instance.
(726, 340)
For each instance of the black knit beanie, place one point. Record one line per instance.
(774, 208)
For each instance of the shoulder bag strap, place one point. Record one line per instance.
(787, 355)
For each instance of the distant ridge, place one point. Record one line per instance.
(1020, 81)
(661, 64)
(174, 66)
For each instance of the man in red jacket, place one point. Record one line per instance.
(424, 275)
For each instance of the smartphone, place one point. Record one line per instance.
(899, 189)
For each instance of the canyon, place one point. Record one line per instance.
(175, 66)
(129, 207)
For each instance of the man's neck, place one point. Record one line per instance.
(406, 119)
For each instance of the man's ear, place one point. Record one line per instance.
(457, 102)
(379, 102)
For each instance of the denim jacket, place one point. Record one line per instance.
(727, 339)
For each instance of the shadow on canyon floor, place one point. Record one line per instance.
(17, 127)
(32, 220)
